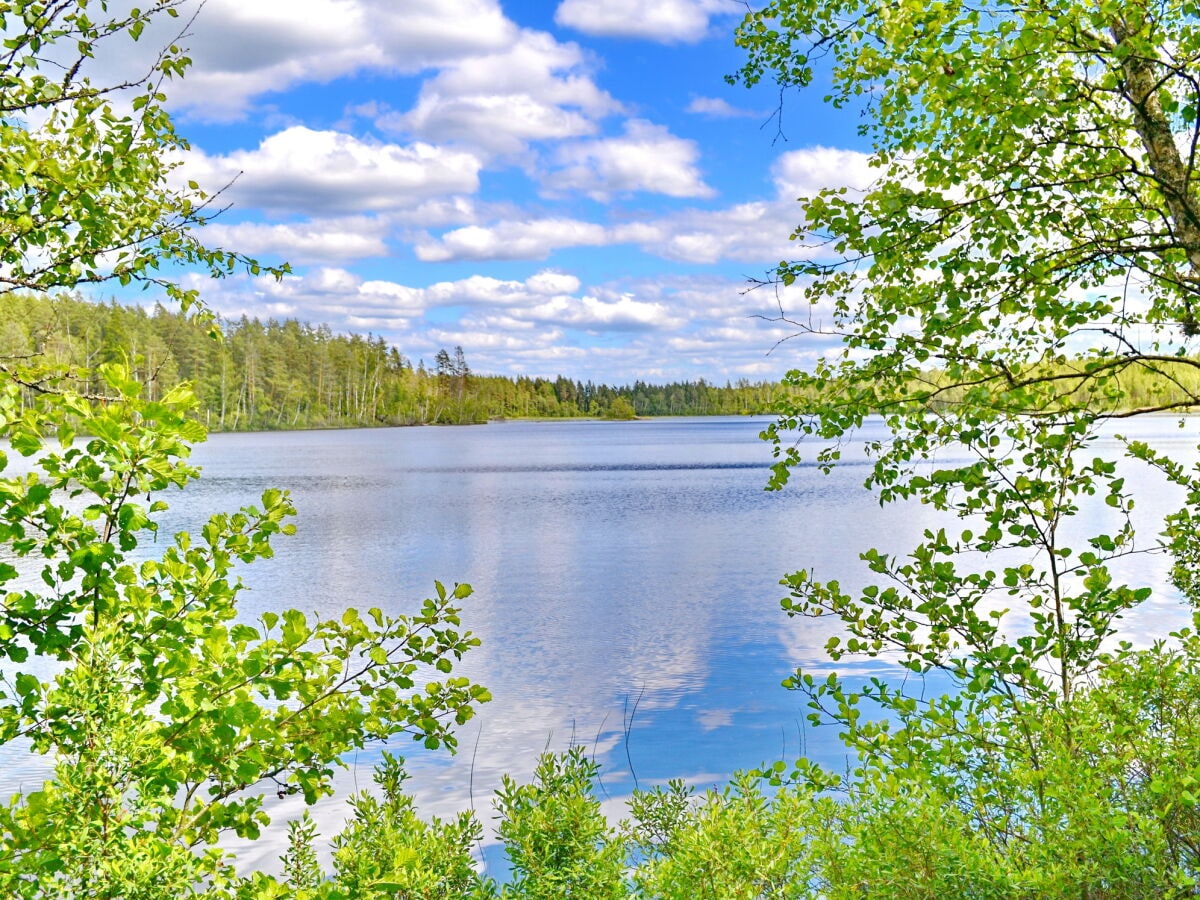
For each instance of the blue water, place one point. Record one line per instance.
(626, 582)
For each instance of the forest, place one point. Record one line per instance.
(259, 376)
(251, 375)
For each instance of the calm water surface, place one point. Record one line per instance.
(626, 582)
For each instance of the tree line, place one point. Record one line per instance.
(283, 373)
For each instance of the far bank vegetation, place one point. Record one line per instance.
(282, 374)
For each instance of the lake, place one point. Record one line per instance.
(626, 580)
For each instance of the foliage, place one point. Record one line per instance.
(1027, 255)
(387, 850)
(168, 713)
(734, 843)
(1121, 824)
(85, 189)
(558, 840)
(1031, 197)
(620, 409)
(740, 842)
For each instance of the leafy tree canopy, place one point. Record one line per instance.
(168, 717)
(1035, 196)
(1029, 244)
(84, 178)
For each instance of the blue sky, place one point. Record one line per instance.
(563, 187)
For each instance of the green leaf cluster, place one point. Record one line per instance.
(86, 191)
(169, 716)
(1023, 268)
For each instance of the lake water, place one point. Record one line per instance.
(626, 582)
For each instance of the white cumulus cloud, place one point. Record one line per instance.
(532, 239)
(536, 88)
(757, 231)
(748, 232)
(325, 240)
(646, 158)
(718, 108)
(300, 169)
(802, 173)
(243, 50)
(665, 21)
(551, 282)
(592, 313)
